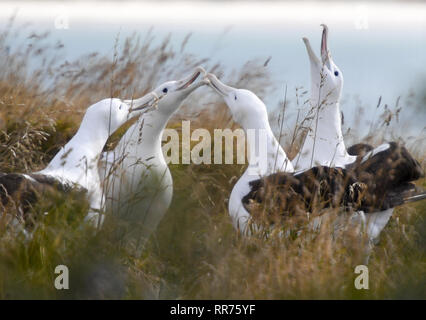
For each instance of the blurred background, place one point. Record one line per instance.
(380, 46)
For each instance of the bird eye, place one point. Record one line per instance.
(235, 97)
(120, 106)
(165, 90)
(336, 73)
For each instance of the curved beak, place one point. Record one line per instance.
(146, 102)
(220, 87)
(325, 53)
(188, 82)
(312, 57)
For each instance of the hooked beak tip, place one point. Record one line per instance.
(201, 70)
(306, 42)
(152, 102)
(189, 81)
(210, 77)
(216, 84)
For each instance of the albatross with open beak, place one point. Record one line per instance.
(266, 156)
(389, 165)
(138, 183)
(76, 164)
(324, 144)
(269, 168)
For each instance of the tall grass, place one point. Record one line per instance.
(195, 253)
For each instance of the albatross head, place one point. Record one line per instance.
(110, 114)
(326, 77)
(246, 108)
(173, 93)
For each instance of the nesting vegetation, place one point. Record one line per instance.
(195, 253)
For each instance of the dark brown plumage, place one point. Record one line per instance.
(22, 191)
(370, 184)
(359, 149)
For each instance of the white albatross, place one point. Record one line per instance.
(76, 164)
(266, 156)
(138, 183)
(297, 192)
(324, 144)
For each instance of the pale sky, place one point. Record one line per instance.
(209, 14)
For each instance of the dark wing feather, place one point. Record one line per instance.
(289, 194)
(15, 187)
(370, 184)
(359, 149)
(387, 174)
(21, 192)
(388, 169)
(404, 194)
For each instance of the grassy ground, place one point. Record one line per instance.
(195, 253)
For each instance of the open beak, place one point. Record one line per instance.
(188, 82)
(148, 101)
(325, 54)
(220, 87)
(312, 57)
